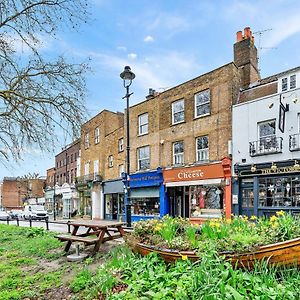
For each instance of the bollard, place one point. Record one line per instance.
(18, 221)
(30, 221)
(69, 227)
(47, 223)
(7, 220)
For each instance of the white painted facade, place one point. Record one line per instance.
(97, 202)
(247, 116)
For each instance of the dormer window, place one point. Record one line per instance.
(293, 82)
(284, 84)
(288, 83)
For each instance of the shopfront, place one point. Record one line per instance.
(200, 192)
(113, 200)
(49, 195)
(266, 188)
(147, 195)
(85, 200)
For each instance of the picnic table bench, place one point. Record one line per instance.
(94, 232)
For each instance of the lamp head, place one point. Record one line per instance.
(127, 75)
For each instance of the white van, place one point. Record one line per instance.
(35, 211)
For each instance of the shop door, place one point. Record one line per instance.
(115, 207)
(179, 201)
(247, 196)
(174, 201)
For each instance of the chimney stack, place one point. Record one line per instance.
(245, 57)
(151, 94)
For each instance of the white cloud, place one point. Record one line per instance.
(281, 18)
(121, 48)
(283, 28)
(166, 25)
(169, 22)
(132, 55)
(148, 39)
(159, 72)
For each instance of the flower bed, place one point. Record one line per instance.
(236, 236)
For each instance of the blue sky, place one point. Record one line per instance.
(166, 43)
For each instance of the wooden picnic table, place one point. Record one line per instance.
(95, 232)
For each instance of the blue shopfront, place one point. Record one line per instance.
(147, 195)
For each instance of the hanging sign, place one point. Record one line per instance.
(281, 117)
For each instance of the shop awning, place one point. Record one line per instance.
(145, 193)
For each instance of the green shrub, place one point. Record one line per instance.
(81, 281)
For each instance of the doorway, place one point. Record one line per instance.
(178, 201)
(247, 195)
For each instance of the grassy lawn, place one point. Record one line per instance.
(29, 262)
(32, 267)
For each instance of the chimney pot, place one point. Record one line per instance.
(239, 36)
(247, 32)
(151, 93)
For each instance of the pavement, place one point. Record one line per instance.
(60, 226)
(55, 226)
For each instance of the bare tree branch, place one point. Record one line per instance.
(38, 98)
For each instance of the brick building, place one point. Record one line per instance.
(17, 191)
(100, 159)
(61, 182)
(66, 163)
(50, 177)
(186, 131)
(180, 146)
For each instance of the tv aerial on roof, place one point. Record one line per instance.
(259, 33)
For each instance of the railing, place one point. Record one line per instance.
(294, 142)
(264, 146)
(88, 178)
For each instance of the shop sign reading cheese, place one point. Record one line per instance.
(194, 173)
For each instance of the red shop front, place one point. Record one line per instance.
(200, 192)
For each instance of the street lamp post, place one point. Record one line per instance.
(54, 198)
(127, 75)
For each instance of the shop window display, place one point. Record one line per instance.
(206, 201)
(279, 192)
(145, 206)
(114, 206)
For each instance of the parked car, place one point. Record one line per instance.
(36, 212)
(16, 214)
(4, 215)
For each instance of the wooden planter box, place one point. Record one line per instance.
(283, 254)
